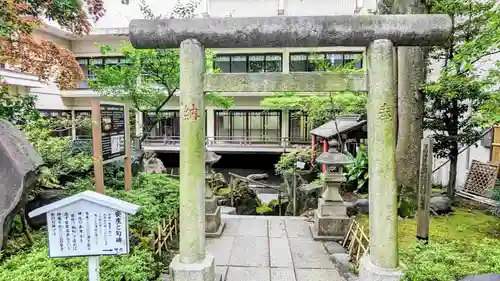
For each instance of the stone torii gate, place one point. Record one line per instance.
(380, 33)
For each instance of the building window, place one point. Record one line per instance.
(255, 125)
(299, 127)
(315, 61)
(60, 130)
(86, 63)
(167, 125)
(248, 63)
(79, 115)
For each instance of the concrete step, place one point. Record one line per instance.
(228, 210)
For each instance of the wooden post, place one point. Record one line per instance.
(128, 151)
(313, 149)
(495, 144)
(97, 146)
(424, 190)
(94, 268)
(325, 149)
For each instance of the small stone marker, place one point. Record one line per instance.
(424, 190)
(18, 164)
(87, 224)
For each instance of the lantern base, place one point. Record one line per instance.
(214, 226)
(328, 228)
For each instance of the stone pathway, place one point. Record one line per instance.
(259, 248)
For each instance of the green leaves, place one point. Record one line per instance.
(320, 107)
(357, 172)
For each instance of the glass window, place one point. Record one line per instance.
(256, 125)
(355, 58)
(298, 63)
(256, 63)
(335, 59)
(315, 61)
(238, 64)
(273, 63)
(299, 127)
(239, 124)
(223, 63)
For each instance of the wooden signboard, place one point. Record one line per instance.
(87, 224)
(110, 139)
(424, 190)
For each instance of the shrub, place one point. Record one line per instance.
(451, 261)
(156, 194)
(287, 160)
(35, 265)
(158, 197)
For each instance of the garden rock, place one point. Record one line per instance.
(441, 204)
(19, 163)
(44, 197)
(153, 164)
(483, 277)
(350, 276)
(334, 248)
(362, 205)
(351, 209)
(258, 177)
(341, 262)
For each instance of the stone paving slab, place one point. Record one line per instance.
(307, 253)
(298, 229)
(220, 248)
(277, 228)
(250, 251)
(318, 275)
(280, 252)
(283, 274)
(252, 227)
(259, 248)
(235, 273)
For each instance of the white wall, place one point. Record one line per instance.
(41, 35)
(239, 8)
(319, 7)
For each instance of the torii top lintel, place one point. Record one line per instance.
(312, 31)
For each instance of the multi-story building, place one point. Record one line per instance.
(247, 126)
(247, 122)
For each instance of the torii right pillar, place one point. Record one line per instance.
(382, 261)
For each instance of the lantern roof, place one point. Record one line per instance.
(333, 157)
(211, 157)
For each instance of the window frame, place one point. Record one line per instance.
(247, 56)
(247, 114)
(324, 54)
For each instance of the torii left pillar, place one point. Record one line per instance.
(192, 263)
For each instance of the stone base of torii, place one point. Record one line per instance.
(380, 33)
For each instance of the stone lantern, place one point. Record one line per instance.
(330, 219)
(213, 224)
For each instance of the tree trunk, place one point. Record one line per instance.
(411, 74)
(452, 181)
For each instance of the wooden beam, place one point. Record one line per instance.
(285, 82)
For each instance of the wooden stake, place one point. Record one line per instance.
(128, 151)
(97, 146)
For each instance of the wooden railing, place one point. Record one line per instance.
(356, 242)
(261, 141)
(167, 229)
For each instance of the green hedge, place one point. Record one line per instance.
(158, 197)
